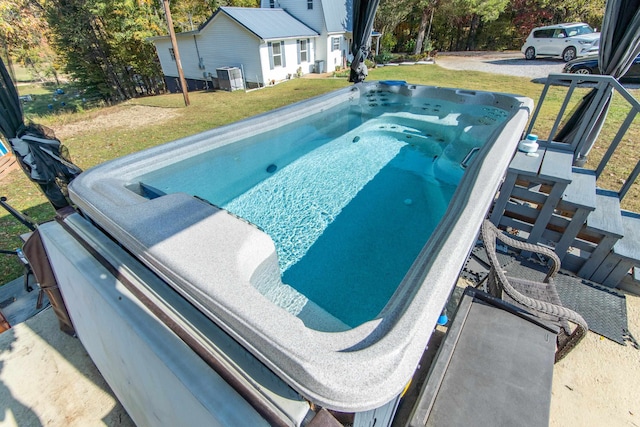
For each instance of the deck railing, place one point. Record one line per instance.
(604, 86)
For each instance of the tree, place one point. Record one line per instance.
(476, 13)
(475, 24)
(103, 43)
(589, 11)
(390, 13)
(428, 8)
(528, 14)
(23, 31)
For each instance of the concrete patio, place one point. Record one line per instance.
(47, 379)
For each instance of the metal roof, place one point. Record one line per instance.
(337, 15)
(268, 24)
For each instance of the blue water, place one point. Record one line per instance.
(296, 204)
(349, 203)
(357, 263)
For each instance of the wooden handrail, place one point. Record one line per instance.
(603, 85)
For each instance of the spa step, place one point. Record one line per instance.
(629, 245)
(577, 202)
(625, 255)
(605, 225)
(606, 216)
(581, 192)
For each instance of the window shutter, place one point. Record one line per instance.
(270, 55)
(299, 58)
(284, 61)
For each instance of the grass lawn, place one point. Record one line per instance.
(95, 136)
(22, 74)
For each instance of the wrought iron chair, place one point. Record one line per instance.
(539, 298)
(30, 224)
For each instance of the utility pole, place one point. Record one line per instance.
(174, 44)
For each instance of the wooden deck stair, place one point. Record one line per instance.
(624, 255)
(578, 201)
(605, 223)
(8, 163)
(585, 226)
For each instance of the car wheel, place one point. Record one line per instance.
(530, 53)
(583, 70)
(569, 54)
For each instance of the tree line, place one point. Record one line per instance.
(419, 26)
(102, 44)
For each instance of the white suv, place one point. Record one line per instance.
(566, 40)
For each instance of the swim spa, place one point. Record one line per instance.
(324, 237)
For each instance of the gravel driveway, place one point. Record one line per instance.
(509, 63)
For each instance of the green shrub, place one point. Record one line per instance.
(388, 42)
(409, 45)
(383, 57)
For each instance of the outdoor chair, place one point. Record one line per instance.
(539, 298)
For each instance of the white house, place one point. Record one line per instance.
(280, 40)
(331, 19)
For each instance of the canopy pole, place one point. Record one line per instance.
(364, 13)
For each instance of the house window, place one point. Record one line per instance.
(304, 51)
(172, 54)
(309, 4)
(272, 4)
(276, 54)
(335, 43)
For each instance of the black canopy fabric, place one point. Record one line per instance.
(620, 37)
(10, 111)
(40, 154)
(364, 12)
(619, 46)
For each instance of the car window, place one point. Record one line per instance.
(582, 29)
(560, 34)
(541, 34)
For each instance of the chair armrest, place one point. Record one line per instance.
(490, 232)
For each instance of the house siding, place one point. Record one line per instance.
(313, 18)
(162, 49)
(291, 65)
(188, 57)
(335, 58)
(225, 43)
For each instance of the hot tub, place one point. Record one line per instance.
(324, 237)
